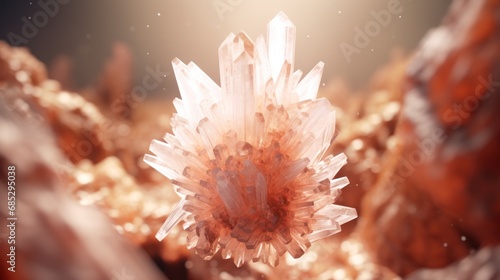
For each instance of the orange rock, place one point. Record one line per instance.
(439, 198)
(81, 129)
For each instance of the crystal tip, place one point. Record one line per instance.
(281, 17)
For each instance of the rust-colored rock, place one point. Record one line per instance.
(115, 82)
(18, 66)
(452, 108)
(485, 265)
(439, 198)
(61, 70)
(56, 238)
(82, 131)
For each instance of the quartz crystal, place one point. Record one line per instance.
(247, 157)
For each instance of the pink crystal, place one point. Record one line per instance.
(246, 157)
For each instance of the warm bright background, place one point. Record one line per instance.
(157, 31)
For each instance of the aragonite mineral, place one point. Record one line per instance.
(247, 157)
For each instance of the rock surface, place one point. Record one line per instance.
(438, 200)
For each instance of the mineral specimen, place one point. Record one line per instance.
(439, 199)
(247, 157)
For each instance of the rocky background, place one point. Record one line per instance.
(421, 138)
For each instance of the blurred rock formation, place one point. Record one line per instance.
(438, 200)
(80, 127)
(115, 82)
(482, 265)
(57, 238)
(61, 70)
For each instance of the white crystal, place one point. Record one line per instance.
(281, 43)
(229, 193)
(177, 215)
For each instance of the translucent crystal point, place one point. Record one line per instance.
(281, 43)
(308, 87)
(174, 218)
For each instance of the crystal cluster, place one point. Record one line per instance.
(246, 157)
